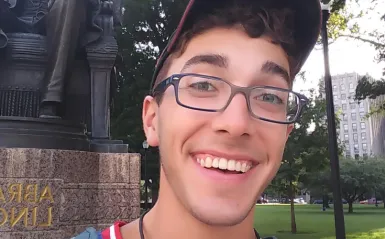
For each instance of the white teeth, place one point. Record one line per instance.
(215, 163)
(243, 168)
(248, 167)
(231, 165)
(224, 164)
(208, 162)
(238, 167)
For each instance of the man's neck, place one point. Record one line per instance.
(170, 220)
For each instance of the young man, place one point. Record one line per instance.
(221, 111)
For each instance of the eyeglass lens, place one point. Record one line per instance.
(213, 94)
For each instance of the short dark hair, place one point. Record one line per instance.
(276, 24)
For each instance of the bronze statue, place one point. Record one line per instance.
(4, 6)
(68, 24)
(21, 16)
(3, 39)
(40, 41)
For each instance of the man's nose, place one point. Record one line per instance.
(235, 120)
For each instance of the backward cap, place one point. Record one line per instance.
(307, 25)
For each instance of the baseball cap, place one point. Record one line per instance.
(307, 25)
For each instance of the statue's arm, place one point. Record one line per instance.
(117, 9)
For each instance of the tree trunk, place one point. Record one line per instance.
(291, 195)
(325, 201)
(382, 195)
(350, 207)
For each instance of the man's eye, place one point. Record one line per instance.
(270, 98)
(203, 86)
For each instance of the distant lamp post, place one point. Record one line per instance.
(333, 146)
(145, 147)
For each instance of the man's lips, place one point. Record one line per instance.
(229, 156)
(229, 162)
(224, 169)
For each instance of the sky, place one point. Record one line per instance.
(347, 55)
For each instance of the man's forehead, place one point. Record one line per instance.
(222, 61)
(231, 40)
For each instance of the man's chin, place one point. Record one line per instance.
(220, 218)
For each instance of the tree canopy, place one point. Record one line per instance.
(359, 178)
(306, 153)
(147, 26)
(369, 88)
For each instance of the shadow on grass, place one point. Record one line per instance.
(346, 213)
(358, 210)
(364, 213)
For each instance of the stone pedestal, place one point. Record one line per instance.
(55, 194)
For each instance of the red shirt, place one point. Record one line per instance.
(113, 232)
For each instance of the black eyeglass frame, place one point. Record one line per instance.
(175, 79)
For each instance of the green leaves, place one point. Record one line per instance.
(306, 151)
(147, 24)
(358, 177)
(368, 88)
(345, 22)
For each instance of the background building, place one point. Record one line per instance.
(355, 131)
(377, 124)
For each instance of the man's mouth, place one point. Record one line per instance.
(224, 165)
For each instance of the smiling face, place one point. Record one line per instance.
(193, 143)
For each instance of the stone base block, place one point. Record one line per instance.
(58, 194)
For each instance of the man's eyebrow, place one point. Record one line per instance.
(270, 67)
(211, 59)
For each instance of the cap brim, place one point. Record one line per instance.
(307, 25)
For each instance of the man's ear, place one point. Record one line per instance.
(150, 121)
(290, 128)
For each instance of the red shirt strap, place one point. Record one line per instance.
(113, 232)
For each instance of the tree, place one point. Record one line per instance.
(357, 178)
(319, 185)
(306, 152)
(142, 35)
(147, 25)
(379, 184)
(360, 178)
(368, 88)
(380, 190)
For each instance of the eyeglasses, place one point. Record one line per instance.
(212, 94)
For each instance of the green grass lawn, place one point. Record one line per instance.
(367, 222)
